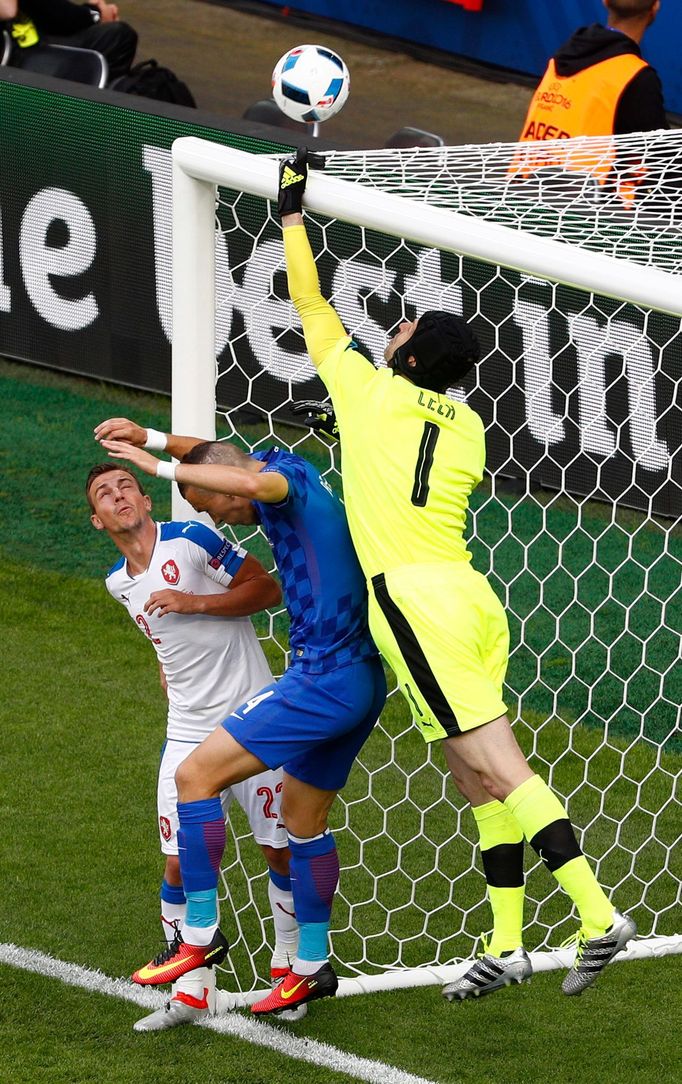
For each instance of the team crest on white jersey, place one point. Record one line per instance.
(210, 666)
(165, 826)
(170, 572)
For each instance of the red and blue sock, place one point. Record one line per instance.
(314, 869)
(201, 842)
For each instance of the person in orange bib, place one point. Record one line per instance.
(598, 83)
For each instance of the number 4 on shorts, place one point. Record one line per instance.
(256, 700)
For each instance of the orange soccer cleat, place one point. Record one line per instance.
(296, 990)
(179, 958)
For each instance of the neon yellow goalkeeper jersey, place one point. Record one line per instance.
(410, 457)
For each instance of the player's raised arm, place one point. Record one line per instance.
(321, 325)
(270, 487)
(137, 435)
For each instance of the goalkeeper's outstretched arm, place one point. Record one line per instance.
(321, 325)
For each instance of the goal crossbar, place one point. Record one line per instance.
(435, 227)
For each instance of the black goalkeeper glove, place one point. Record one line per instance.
(319, 416)
(293, 175)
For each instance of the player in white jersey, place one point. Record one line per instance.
(191, 592)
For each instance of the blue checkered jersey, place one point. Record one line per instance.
(323, 585)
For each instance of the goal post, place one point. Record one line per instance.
(592, 589)
(193, 305)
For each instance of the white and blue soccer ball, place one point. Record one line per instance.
(310, 83)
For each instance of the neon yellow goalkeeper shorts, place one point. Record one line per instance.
(444, 633)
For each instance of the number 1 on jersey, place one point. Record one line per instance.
(427, 447)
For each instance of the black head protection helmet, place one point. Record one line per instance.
(444, 347)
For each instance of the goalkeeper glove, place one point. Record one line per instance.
(319, 416)
(293, 175)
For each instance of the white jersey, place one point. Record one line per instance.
(212, 664)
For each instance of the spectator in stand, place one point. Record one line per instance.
(91, 26)
(598, 83)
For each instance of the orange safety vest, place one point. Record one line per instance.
(583, 104)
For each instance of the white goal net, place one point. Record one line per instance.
(564, 258)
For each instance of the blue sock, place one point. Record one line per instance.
(280, 879)
(314, 869)
(201, 842)
(313, 942)
(172, 893)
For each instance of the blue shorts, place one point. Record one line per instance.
(312, 725)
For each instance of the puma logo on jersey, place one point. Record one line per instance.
(290, 176)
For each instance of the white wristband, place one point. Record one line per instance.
(166, 470)
(155, 442)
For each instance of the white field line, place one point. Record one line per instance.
(239, 1027)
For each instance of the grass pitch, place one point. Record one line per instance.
(82, 721)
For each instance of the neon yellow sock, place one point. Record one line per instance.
(507, 907)
(536, 808)
(594, 906)
(498, 828)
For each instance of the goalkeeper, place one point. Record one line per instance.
(411, 458)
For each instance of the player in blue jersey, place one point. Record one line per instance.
(313, 721)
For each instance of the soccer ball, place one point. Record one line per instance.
(310, 83)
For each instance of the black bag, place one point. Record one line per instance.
(150, 80)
